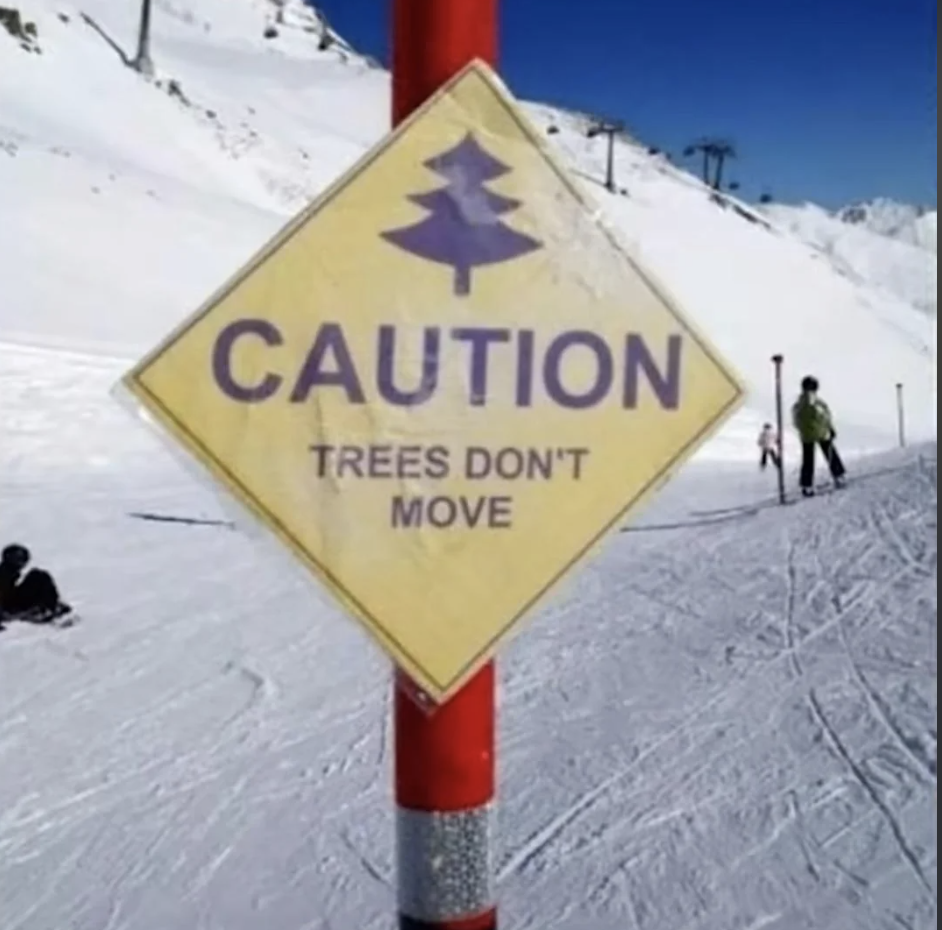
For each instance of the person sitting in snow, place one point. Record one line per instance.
(768, 444)
(33, 596)
(812, 419)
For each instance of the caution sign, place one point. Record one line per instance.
(442, 383)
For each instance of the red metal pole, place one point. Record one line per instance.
(445, 761)
(433, 41)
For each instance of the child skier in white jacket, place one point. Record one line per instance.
(768, 446)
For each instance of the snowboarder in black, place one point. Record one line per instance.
(34, 596)
(812, 418)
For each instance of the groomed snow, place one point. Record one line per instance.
(727, 722)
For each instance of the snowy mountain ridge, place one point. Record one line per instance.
(889, 247)
(914, 225)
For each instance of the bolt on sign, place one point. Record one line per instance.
(442, 384)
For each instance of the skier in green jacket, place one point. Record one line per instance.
(812, 418)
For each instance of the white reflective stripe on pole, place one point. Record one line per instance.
(445, 865)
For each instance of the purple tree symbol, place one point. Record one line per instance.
(463, 229)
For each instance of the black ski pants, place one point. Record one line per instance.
(831, 456)
(769, 455)
(37, 591)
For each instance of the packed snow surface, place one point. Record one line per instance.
(727, 722)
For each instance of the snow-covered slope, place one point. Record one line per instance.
(727, 722)
(887, 247)
(101, 167)
(101, 170)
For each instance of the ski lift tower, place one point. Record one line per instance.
(608, 128)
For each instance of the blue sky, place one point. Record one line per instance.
(826, 100)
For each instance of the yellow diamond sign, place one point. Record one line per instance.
(442, 383)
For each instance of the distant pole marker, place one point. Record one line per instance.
(901, 415)
(780, 427)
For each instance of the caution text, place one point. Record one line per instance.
(408, 367)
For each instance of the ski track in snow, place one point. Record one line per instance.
(737, 718)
